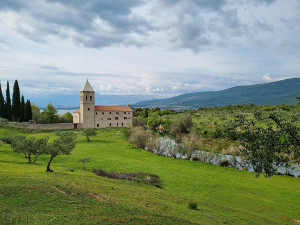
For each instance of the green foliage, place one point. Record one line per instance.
(8, 114)
(268, 148)
(184, 124)
(16, 104)
(2, 104)
(154, 120)
(61, 146)
(89, 132)
(36, 113)
(218, 133)
(50, 114)
(30, 146)
(27, 111)
(66, 118)
(22, 118)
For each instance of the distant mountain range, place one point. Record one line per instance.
(71, 101)
(273, 93)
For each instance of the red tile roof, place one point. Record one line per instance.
(109, 108)
(112, 108)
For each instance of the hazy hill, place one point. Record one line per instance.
(273, 93)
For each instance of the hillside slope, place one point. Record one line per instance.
(75, 195)
(274, 93)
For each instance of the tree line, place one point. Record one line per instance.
(16, 109)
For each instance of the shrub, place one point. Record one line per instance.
(224, 163)
(193, 205)
(218, 133)
(139, 137)
(7, 140)
(139, 177)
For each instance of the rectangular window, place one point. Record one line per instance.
(109, 112)
(116, 118)
(91, 98)
(108, 118)
(102, 113)
(117, 124)
(110, 124)
(97, 125)
(124, 112)
(96, 113)
(117, 113)
(122, 124)
(125, 118)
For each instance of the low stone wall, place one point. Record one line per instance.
(33, 126)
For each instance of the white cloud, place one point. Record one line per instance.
(267, 77)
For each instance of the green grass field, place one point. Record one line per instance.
(75, 195)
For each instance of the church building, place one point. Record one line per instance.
(100, 116)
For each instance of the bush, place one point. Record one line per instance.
(139, 177)
(139, 137)
(218, 133)
(7, 140)
(224, 163)
(193, 205)
(184, 124)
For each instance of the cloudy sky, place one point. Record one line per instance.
(157, 47)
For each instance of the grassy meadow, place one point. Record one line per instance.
(74, 195)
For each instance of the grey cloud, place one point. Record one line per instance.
(193, 24)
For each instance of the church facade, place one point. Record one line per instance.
(100, 116)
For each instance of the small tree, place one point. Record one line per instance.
(29, 146)
(139, 137)
(89, 132)
(61, 146)
(184, 124)
(36, 113)
(50, 114)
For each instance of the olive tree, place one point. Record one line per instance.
(89, 132)
(271, 146)
(63, 145)
(29, 146)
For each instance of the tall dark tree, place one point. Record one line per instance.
(8, 103)
(22, 109)
(2, 106)
(16, 104)
(27, 111)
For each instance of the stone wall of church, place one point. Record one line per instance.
(113, 119)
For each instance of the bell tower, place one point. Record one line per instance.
(87, 106)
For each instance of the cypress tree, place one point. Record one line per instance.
(8, 103)
(16, 104)
(27, 111)
(2, 107)
(22, 109)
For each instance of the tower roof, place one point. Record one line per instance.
(87, 87)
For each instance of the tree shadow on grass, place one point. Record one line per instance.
(96, 141)
(20, 163)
